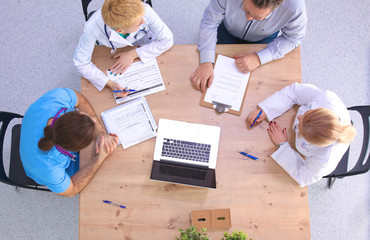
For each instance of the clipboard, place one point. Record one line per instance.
(222, 107)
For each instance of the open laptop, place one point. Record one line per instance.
(186, 153)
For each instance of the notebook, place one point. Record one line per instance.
(186, 153)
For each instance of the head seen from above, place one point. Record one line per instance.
(72, 131)
(322, 127)
(124, 16)
(259, 9)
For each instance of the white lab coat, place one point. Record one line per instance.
(319, 161)
(157, 40)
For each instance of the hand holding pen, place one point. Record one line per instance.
(117, 89)
(256, 117)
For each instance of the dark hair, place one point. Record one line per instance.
(72, 131)
(267, 3)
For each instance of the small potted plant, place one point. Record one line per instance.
(192, 234)
(235, 236)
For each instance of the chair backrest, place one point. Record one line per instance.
(363, 163)
(85, 4)
(17, 177)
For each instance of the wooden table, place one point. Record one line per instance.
(264, 200)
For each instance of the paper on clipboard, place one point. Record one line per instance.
(133, 122)
(229, 84)
(143, 77)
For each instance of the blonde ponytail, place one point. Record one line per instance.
(347, 135)
(322, 127)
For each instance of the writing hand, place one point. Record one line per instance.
(115, 86)
(253, 116)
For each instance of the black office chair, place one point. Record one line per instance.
(85, 4)
(17, 177)
(363, 163)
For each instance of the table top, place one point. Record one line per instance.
(265, 202)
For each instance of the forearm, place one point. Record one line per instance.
(83, 176)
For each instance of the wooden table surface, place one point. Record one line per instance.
(265, 202)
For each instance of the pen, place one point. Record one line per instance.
(254, 121)
(248, 155)
(130, 90)
(142, 90)
(109, 202)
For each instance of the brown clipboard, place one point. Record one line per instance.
(216, 105)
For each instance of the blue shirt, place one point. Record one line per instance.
(290, 17)
(46, 167)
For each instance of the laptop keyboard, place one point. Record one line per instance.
(186, 150)
(182, 172)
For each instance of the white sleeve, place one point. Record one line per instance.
(281, 101)
(304, 172)
(163, 37)
(83, 64)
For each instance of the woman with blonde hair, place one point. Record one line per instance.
(323, 131)
(118, 24)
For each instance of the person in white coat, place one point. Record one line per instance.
(118, 24)
(322, 126)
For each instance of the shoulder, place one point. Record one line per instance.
(294, 5)
(95, 20)
(60, 93)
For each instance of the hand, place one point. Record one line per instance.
(276, 134)
(115, 86)
(203, 76)
(124, 60)
(248, 62)
(105, 144)
(253, 116)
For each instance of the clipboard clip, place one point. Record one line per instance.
(220, 107)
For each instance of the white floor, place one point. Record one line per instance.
(38, 39)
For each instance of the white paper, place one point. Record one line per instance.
(132, 122)
(143, 77)
(228, 85)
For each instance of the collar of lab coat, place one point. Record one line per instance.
(115, 37)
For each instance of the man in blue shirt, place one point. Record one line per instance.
(248, 21)
(51, 134)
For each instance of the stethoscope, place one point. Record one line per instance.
(137, 36)
(59, 148)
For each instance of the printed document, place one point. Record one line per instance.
(133, 122)
(143, 77)
(229, 84)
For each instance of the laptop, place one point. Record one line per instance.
(186, 153)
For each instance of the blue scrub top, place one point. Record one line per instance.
(50, 168)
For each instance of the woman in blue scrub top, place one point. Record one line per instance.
(54, 129)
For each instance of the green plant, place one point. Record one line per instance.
(235, 236)
(192, 234)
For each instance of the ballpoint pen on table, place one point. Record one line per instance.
(254, 121)
(115, 204)
(248, 155)
(124, 90)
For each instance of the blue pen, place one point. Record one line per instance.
(248, 155)
(109, 202)
(130, 90)
(254, 121)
